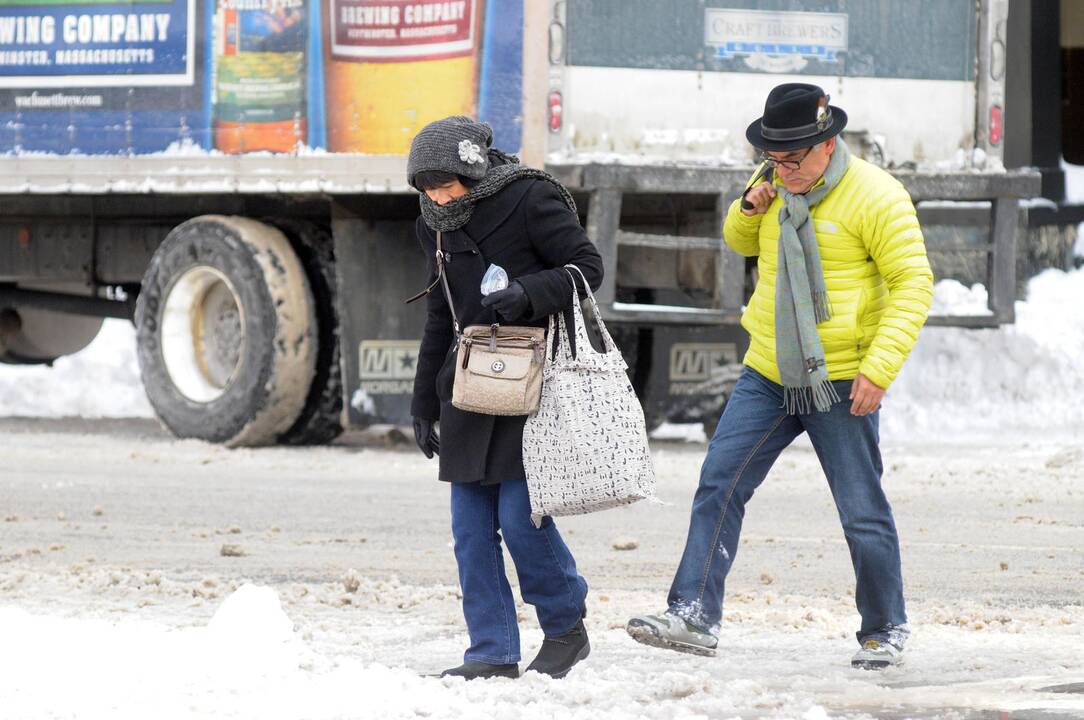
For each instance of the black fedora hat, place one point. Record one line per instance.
(796, 115)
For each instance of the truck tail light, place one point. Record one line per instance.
(556, 106)
(997, 126)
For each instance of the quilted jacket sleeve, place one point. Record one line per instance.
(556, 235)
(894, 240)
(741, 232)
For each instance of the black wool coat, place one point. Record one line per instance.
(527, 229)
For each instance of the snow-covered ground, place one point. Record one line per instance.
(338, 592)
(781, 660)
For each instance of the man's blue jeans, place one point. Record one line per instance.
(752, 433)
(481, 515)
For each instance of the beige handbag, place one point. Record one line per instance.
(499, 367)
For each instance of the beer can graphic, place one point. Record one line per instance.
(392, 66)
(259, 65)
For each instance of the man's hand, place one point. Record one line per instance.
(761, 196)
(425, 434)
(865, 396)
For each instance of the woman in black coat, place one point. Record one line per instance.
(493, 210)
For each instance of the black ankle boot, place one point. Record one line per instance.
(559, 653)
(472, 670)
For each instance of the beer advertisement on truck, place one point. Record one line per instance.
(88, 77)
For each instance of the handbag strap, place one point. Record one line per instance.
(607, 340)
(444, 281)
(577, 334)
(564, 340)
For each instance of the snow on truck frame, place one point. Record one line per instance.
(233, 180)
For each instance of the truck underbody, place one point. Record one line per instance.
(205, 276)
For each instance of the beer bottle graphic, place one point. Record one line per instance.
(259, 98)
(393, 66)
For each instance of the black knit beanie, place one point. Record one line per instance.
(456, 145)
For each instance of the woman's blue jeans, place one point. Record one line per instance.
(481, 516)
(752, 432)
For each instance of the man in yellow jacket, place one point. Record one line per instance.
(844, 288)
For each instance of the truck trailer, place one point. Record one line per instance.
(230, 175)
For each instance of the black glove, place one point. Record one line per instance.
(511, 303)
(425, 434)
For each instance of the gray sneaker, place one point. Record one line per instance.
(877, 655)
(671, 632)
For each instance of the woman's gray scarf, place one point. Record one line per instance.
(801, 298)
(503, 170)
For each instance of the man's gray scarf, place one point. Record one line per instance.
(801, 298)
(503, 170)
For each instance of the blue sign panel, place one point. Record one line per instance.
(93, 44)
(93, 77)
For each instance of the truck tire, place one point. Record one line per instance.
(320, 420)
(29, 336)
(226, 332)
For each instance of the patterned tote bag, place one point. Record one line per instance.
(586, 448)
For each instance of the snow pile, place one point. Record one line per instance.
(101, 381)
(951, 297)
(1023, 377)
(961, 384)
(137, 669)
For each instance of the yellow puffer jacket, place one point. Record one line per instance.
(879, 282)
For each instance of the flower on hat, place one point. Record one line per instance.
(470, 153)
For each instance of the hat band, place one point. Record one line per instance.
(797, 133)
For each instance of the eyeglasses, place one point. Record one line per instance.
(790, 164)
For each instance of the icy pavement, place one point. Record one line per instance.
(116, 600)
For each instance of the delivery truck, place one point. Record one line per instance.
(229, 175)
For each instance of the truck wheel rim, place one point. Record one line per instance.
(202, 334)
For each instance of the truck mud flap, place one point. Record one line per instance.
(683, 374)
(379, 265)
